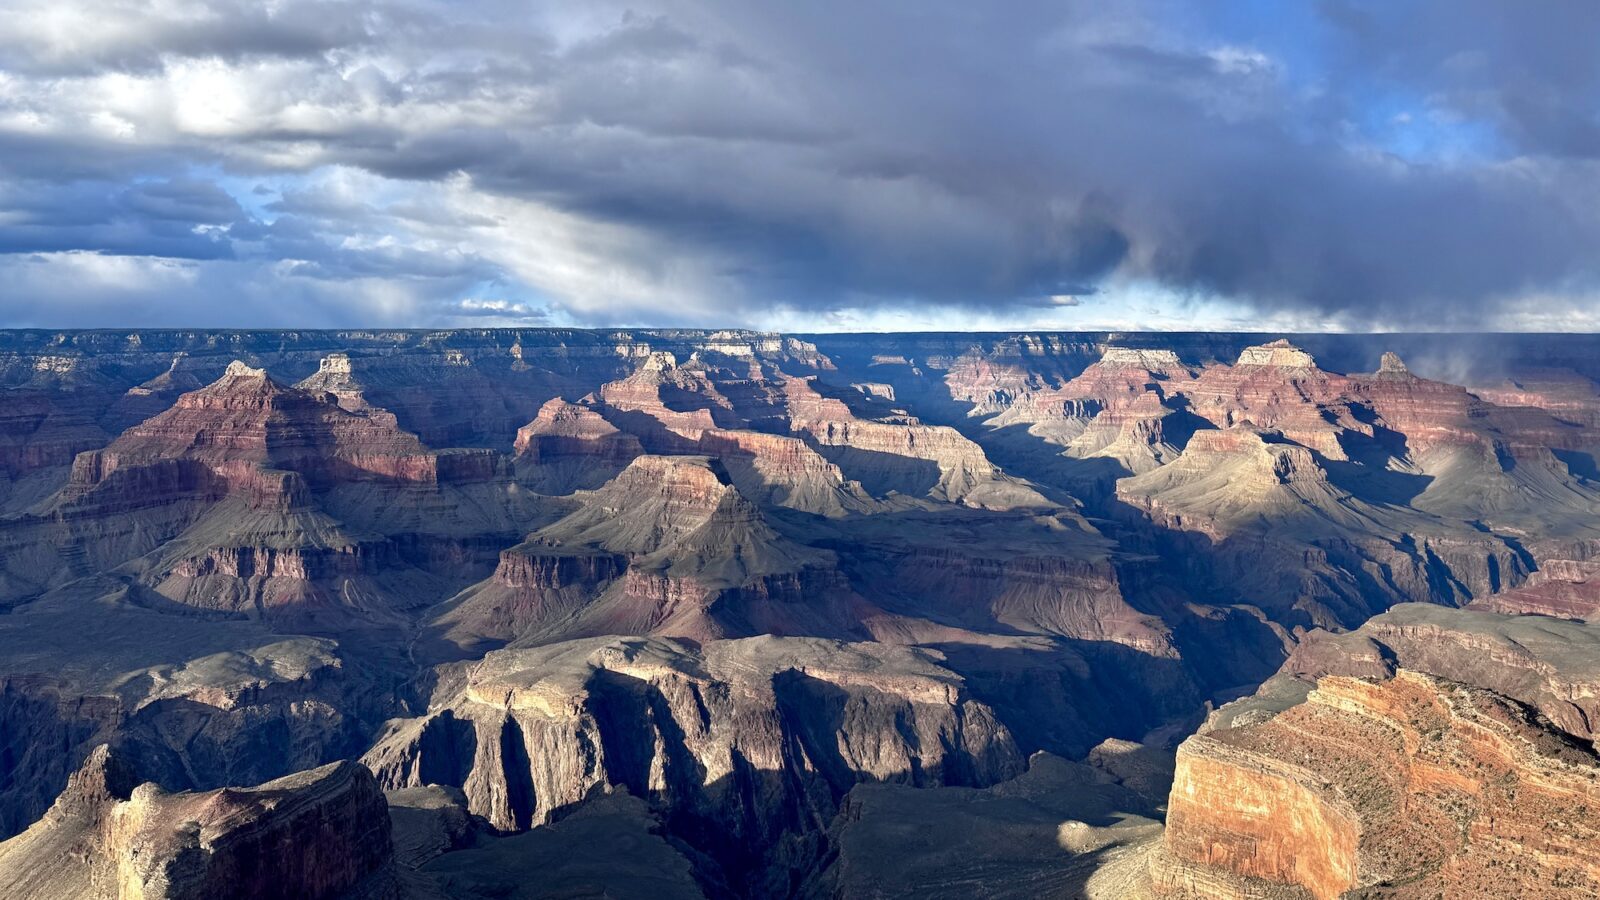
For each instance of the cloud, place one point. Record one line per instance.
(502, 309)
(704, 162)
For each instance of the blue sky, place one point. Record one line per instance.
(1339, 164)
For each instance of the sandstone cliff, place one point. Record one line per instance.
(1410, 787)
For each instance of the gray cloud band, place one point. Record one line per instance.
(700, 162)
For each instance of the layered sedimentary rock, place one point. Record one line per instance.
(1249, 494)
(569, 447)
(737, 416)
(245, 426)
(193, 702)
(1563, 588)
(1550, 665)
(1070, 543)
(741, 742)
(669, 547)
(1279, 386)
(323, 833)
(1228, 479)
(1411, 787)
(881, 453)
(253, 498)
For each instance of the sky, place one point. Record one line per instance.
(1311, 165)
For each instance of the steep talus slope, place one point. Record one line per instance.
(1548, 664)
(1239, 495)
(1118, 410)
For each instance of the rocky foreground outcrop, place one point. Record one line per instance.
(314, 835)
(745, 746)
(1409, 787)
(1549, 664)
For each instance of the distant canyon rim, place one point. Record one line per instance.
(514, 613)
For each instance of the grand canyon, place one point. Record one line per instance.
(725, 614)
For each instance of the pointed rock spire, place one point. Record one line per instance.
(1392, 364)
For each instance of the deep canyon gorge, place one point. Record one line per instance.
(670, 613)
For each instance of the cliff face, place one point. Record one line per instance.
(669, 547)
(253, 498)
(256, 710)
(740, 743)
(322, 833)
(1415, 785)
(740, 575)
(1550, 665)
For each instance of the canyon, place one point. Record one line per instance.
(645, 613)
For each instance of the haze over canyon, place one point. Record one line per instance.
(728, 614)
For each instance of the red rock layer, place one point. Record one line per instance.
(566, 430)
(247, 434)
(1563, 588)
(1415, 785)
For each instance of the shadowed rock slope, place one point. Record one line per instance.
(318, 835)
(769, 609)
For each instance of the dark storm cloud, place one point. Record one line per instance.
(1396, 163)
(139, 35)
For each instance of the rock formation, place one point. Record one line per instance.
(1411, 787)
(738, 741)
(748, 611)
(323, 833)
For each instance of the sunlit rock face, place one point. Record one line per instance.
(1432, 786)
(758, 607)
(322, 833)
(739, 739)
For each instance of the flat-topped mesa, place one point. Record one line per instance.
(319, 834)
(335, 364)
(1135, 358)
(1446, 789)
(336, 375)
(743, 738)
(763, 345)
(1279, 353)
(659, 361)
